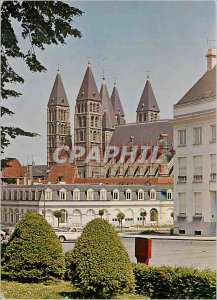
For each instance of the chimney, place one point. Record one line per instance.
(211, 58)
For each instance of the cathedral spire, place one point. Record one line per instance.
(116, 103)
(107, 108)
(147, 109)
(58, 95)
(88, 89)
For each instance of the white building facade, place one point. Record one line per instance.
(80, 204)
(195, 156)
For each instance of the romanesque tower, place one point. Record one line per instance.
(88, 124)
(58, 120)
(147, 109)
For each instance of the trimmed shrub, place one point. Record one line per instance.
(99, 264)
(34, 252)
(174, 283)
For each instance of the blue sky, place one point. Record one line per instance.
(166, 37)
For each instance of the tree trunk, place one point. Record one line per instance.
(143, 221)
(58, 219)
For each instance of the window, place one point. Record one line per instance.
(64, 216)
(17, 215)
(81, 136)
(198, 168)
(94, 136)
(5, 214)
(182, 162)
(92, 121)
(115, 195)
(128, 195)
(197, 133)
(15, 195)
(140, 195)
(103, 194)
(140, 117)
(153, 215)
(76, 194)
(48, 194)
(198, 204)
(169, 195)
(90, 194)
(213, 166)
(152, 194)
(182, 137)
(33, 195)
(11, 216)
(182, 204)
(213, 133)
(62, 194)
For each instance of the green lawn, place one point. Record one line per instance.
(54, 290)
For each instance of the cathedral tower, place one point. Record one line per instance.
(58, 119)
(88, 123)
(118, 109)
(147, 109)
(108, 115)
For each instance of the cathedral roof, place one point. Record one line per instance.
(58, 94)
(148, 101)
(116, 102)
(108, 114)
(88, 89)
(142, 133)
(204, 88)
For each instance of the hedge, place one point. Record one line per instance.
(174, 283)
(99, 265)
(34, 252)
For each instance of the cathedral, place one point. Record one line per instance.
(99, 121)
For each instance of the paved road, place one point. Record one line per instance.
(199, 254)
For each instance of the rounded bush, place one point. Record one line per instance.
(99, 264)
(34, 252)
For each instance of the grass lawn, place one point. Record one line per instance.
(54, 290)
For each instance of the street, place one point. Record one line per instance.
(199, 254)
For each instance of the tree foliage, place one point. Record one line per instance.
(99, 264)
(57, 214)
(41, 23)
(34, 252)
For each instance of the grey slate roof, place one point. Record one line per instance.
(109, 119)
(88, 89)
(116, 102)
(148, 101)
(204, 88)
(142, 133)
(37, 170)
(58, 94)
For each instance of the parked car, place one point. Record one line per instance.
(66, 233)
(5, 229)
(3, 235)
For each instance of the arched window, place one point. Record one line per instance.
(76, 194)
(153, 215)
(17, 216)
(80, 121)
(64, 216)
(21, 213)
(128, 194)
(84, 121)
(140, 195)
(92, 121)
(90, 194)
(82, 108)
(77, 218)
(62, 194)
(90, 215)
(94, 136)
(11, 215)
(96, 121)
(115, 194)
(5, 213)
(153, 194)
(48, 194)
(81, 136)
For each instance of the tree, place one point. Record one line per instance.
(58, 215)
(101, 212)
(120, 217)
(143, 214)
(99, 264)
(34, 252)
(41, 23)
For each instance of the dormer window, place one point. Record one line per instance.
(128, 194)
(153, 194)
(62, 194)
(103, 194)
(76, 194)
(115, 194)
(48, 194)
(90, 195)
(140, 195)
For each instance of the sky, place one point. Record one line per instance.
(127, 39)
